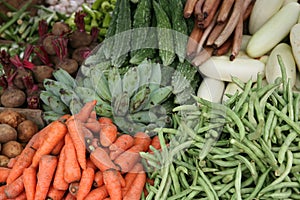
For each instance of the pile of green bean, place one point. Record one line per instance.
(247, 148)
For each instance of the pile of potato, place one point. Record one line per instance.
(15, 132)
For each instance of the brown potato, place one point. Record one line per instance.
(7, 133)
(11, 149)
(3, 161)
(26, 130)
(11, 118)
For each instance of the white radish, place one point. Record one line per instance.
(261, 12)
(242, 67)
(273, 68)
(230, 89)
(211, 89)
(295, 43)
(274, 30)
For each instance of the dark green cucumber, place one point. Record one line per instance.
(122, 38)
(164, 35)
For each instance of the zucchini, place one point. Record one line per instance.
(164, 35)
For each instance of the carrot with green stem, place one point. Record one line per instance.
(15, 188)
(108, 134)
(101, 159)
(86, 183)
(24, 160)
(112, 183)
(85, 111)
(136, 189)
(75, 128)
(98, 193)
(72, 171)
(55, 194)
(4, 172)
(59, 182)
(29, 180)
(122, 143)
(54, 135)
(47, 166)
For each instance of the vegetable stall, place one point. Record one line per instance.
(150, 99)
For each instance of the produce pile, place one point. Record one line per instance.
(16, 131)
(183, 99)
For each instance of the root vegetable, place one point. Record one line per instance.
(7, 133)
(12, 96)
(60, 28)
(12, 149)
(80, 54)
(3, 161)
(80, 37)
(11, 118)
(60, 45)
(47, 44)
(26, 130)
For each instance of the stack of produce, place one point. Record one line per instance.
(78, 157)
(15, 132)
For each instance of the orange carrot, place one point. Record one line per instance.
(130, 177)
(59, 182)
(155, 143)
(98, 193)
(15, 188)
(65, 117)
(55, 194)
(95, 143)
(55, 134)
(93, 125)
(12, 161)
(4, 172)
(112, 183)
(69, 196)
(98, 179)
(21, 196)
(101, 159)
(89, 163)
(136, 189)
(121, 144)
(86, 183)
(73, 188)
(105, 120)
(47, 166)
(143, 139)
(2, 193)
(108, 134)
(24, 160)
(56, 150)
(76, 132)
(72, 171)
(85, 111)
(93, 115)
(29, 180)
(128, 158)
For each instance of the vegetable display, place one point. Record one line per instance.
(85, 165)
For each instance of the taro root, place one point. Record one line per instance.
(7, 133)
(80, 37)
(11, 149)
(26, 130)
(12, 96)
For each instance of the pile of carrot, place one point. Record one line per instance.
(79, 156)
(218, 27)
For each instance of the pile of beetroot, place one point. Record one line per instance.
(58, 47)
